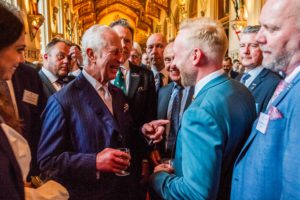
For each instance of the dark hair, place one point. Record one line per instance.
(54, 41)
(228, 58)
(251, 29)
(11, 25)
(123, 22)
(236, 60)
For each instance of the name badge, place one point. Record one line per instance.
(263, 122)
(30, 97)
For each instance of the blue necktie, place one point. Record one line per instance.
(175, 114)
(245, 77)
(159, 80)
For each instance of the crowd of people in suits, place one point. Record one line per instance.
(227, 132)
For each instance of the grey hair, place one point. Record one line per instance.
(94, 39)
(251, 29)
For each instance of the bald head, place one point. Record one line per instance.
(155, 47)
(279, 36)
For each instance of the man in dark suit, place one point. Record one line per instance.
(31, 101)
(227, 66)
(138, 85)
(56, 60)
(260, 81)
(215, 125)
(166, 105)
(156, 44)
(85, 123)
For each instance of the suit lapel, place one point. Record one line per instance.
(46, 82)
(258, 80)
(164, 98)
(275, 103)
(5, 146)
(89, 94)
(134, 79)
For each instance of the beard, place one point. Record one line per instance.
(188, 78)
(280, 63)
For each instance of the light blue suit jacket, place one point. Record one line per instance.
(268, 166)
(212, 132)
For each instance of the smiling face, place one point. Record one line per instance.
(126, 41)
(108, 59)
(279, 36)
(174, 72)
(250, 53)
(182, 60)
(10, 57)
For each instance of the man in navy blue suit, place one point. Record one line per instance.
(85, 123)
(166, 99)
(260, 81)
(268, 165)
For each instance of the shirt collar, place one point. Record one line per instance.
(201, 83)
(291, 77)
(96, 84)
(52, 78)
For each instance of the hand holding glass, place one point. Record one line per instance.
(124, 172)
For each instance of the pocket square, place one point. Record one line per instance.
(126, 107)
(274, 113)
(140, 89)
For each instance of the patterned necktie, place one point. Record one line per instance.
(106, 97)
(5, 89)
(159, 80)
(280, 87)
(174, 125)
(245, 77)
(120, 81)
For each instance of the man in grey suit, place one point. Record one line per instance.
(56, 60)
(260, 81)
(166, 108)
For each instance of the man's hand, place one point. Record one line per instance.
(154, 130)
(112, 160)
(75, 54)
(164, 167)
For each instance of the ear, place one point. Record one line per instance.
(91, 55)
(197, 56)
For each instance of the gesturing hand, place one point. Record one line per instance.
(112, 160)
(154, 130)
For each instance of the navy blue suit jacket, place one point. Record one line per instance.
(11, 183)
(76, 126)
(24, 79)
(164, 96)
(262, 88)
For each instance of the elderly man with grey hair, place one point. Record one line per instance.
(260, 81)
(86, 122)
(214, 127)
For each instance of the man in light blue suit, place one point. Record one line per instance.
(215, 125)
(268, 165)
(85, 122)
